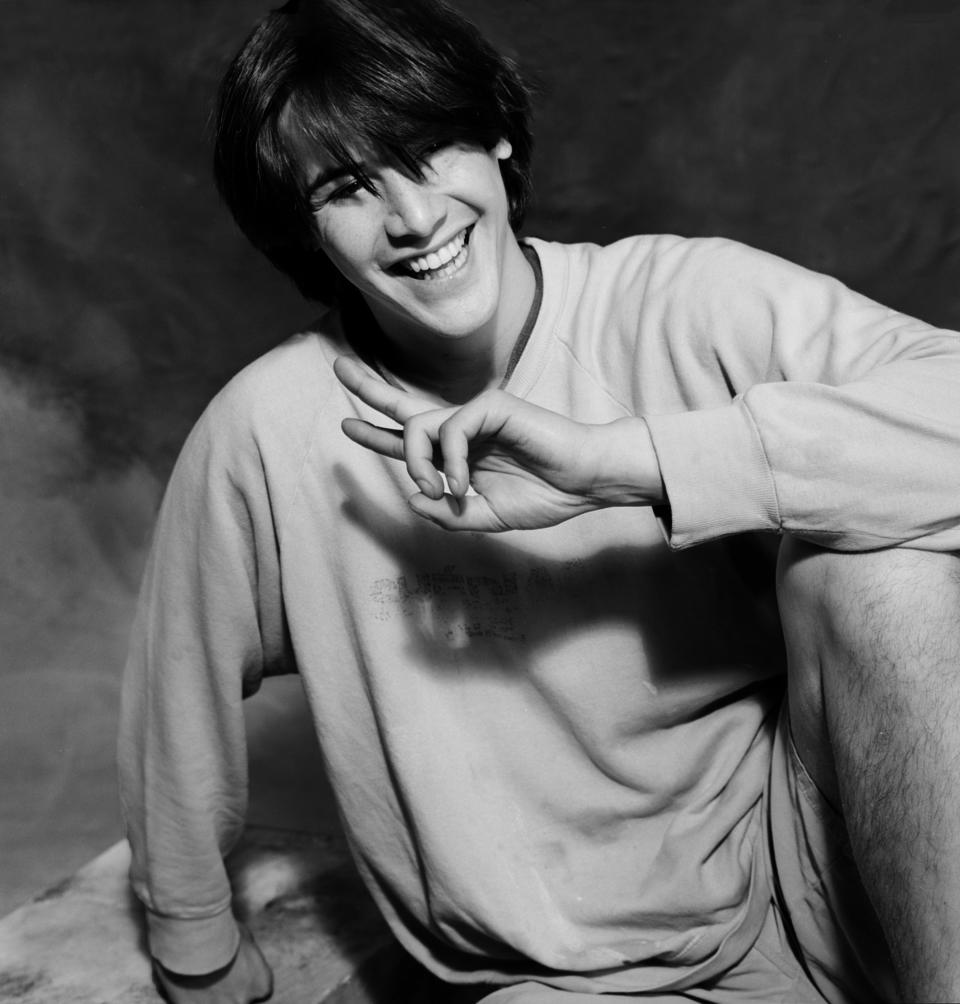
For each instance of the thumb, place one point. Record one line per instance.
(472, 512)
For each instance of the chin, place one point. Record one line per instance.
(456, 319)
(459, 327)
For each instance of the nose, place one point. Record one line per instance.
(414, 208)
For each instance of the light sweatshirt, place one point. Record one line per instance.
(548, 747)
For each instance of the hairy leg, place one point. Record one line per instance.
(874, 690)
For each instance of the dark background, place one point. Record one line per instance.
(827, 131)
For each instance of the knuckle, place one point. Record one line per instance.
(491, 397)
(448, 429)
(419, 422)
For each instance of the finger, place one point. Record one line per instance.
(469, 513)
(455, 449)
(480, 418)
(419, 447)
(387, 442)
(377, 393)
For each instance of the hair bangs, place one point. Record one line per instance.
(321, 128)
(387, 116)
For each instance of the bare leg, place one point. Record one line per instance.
(875, 712)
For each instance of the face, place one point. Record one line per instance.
(432, 256)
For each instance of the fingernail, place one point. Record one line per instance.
(425, 487)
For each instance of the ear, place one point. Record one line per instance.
(503, 149)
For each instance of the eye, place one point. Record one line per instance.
(340, 193)
(345, 191)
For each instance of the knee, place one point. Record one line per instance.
(862, 630)
(866, 606)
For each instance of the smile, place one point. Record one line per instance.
(441, 263)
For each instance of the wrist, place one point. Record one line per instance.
(189, 946)
(627, 472)
(193, 981)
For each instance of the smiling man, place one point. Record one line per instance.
(430, 249)
(573, 757)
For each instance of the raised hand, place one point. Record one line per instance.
(508, 464)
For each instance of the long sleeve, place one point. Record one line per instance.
(209, 624)
(809, 409)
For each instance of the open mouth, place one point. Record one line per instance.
(443, 262)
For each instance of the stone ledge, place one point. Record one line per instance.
(83, 941)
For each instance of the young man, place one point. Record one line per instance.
(561, 752)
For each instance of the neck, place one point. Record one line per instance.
(450, 373)
(454, 370)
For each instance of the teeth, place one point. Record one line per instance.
(440, 258)
(448, 269)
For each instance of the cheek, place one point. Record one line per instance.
(489, 191)
(347, 243)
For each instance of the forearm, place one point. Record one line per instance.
(857, 467)
(183, 793)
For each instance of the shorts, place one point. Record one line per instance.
(821, 940)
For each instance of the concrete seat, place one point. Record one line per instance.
(83, 941)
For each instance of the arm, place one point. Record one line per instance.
(209, 623)
(837, 419)
(795, 405)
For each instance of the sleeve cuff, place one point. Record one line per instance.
(716, 475)
(193, 946)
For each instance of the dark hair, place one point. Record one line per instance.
(391, 76)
